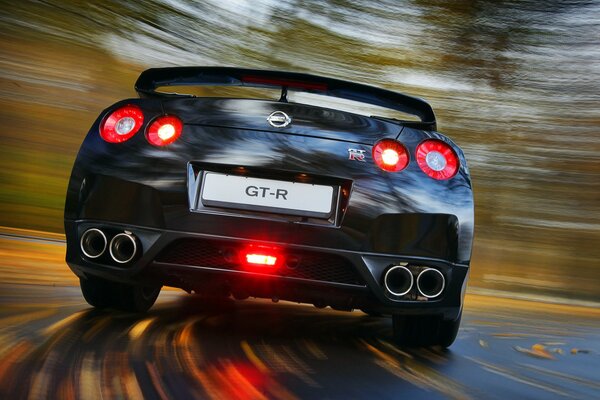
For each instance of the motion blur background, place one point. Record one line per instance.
(515, 83)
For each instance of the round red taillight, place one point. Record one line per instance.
(164, 130)
(390, 155)
(437, 159)
(122, 124)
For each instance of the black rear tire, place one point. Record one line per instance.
(424, 330)
(136, 298)
(98, 292)
(101, 293)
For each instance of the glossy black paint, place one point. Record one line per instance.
(383, 218)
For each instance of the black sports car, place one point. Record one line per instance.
(273, 199)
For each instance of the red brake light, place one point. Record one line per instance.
(261, 256)
(437, 159)
(164, 130)
(260, 259)
(122, 124)
(390, 155)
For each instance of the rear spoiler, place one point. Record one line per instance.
(153, 78)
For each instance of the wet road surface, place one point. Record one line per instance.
(52, 345)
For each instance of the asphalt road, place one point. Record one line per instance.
(53, 345)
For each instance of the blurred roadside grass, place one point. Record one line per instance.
(25, 262)
(50, 94)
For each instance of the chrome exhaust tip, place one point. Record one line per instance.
(93, 243)
(431, 283)
(123, 247)
(398, 280)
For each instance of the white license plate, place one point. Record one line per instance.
(267, 195)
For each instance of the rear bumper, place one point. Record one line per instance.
(357, 281)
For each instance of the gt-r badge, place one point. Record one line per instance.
(356, 155)
(279, 119)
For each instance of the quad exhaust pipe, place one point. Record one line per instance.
(398, 280)
(123, 247)
(431, 283)
(93, 243)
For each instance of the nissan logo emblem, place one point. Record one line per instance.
(279, 119)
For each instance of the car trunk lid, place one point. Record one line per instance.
(304, 120)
